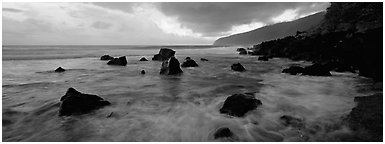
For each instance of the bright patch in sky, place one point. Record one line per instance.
(287, 15)
(245, 28)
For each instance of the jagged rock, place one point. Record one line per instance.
(143, 72)
(74, 102)
(293, 70)
(189, 63)
(143, 59)
(316, 70)
(222, 132)
(239, 104)
(118, 61)
(237, 67)
(106, 57)
(263, 58)
(203, 59)
(291, 121)
(60, 69)
(366, 116)
(164, 54)
(171, 67)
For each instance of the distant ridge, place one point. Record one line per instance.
(271, 32)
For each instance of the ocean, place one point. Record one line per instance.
(154, 107)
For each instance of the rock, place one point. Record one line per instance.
(240, 49)
(222, 132)
(106, 57)
(316, 70)
(187, 58)
(164, 54)
(239, 104)
(60, 69)
(143, 72)
(243, 52)
(263, 58)
(143, 59)
(189, 63)
(291, 121)
(203, 59)
(171, 67)
(74, 102)
(367, 116)
(293, 70)
(118, 61)
(237, 67)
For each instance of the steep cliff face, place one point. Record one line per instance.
(271, 32)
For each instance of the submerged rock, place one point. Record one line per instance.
(106, 57)
(189, 63)
(316, 70)
(143, 59)
(60, 69)
(263, 58)
(237, 67)
(293, 70)
(74, 102)
(164, 54)
(118, 61)
(291, 121)
(367, 117)
(239, 104)
(171, 67)
(222, 132)
(203, 59)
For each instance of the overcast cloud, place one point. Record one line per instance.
(141, 23)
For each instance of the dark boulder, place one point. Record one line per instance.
(60, 69)
(241, 49)
(143, 59)
(189, 63)
(239, 104)
(263, 58)
(164, 54)
(293, 70)
(74, 102)
(222, 132)
(187, 58)
(291, 121)
(366, 116)
(106, 57)
(203, 59)
(243, 52)
(316, 70)
(171, 67)
(118, 61)
(143, 72)
(237, 67)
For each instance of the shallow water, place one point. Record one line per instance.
(154, 107)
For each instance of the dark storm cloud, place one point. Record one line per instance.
(211, 19)
(11, 10)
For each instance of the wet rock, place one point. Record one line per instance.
(106, 57)
(291, 121)
(367, 117)
(293, 70)
(263, 58)
(316, 70)
(60, 69)
(74, 102)
(239, 104)
(222, 132)
(189, 63)
(143, 72)
(143, 59)
(171, 67)
(122, 61)
(187, 58)
(203, 59)
(164, 54)
(237, 67)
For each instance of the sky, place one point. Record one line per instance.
(128, 23)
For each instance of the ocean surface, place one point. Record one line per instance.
(154, 107)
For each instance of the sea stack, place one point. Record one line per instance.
(171, 67)
(164, 54)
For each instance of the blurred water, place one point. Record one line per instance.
(153, 107)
